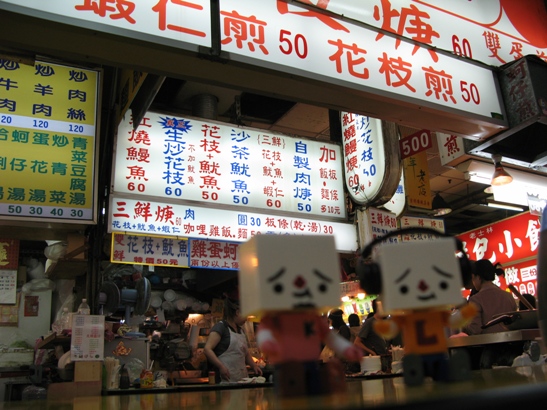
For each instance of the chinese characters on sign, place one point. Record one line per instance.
(149, 250)
(471, 29)
(8, 286)
(149, 217)
(512, 239)
(9, 253)
(511, 242)
(364, 156)
(375, 223)
(47, 140)
(450, 147)
(286, 35)
(215, 163)
(417, 222)
(184, 24)
(214, 254)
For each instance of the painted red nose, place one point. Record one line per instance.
(423, 286)
(299, 282)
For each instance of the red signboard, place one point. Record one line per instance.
(509, 240)
(523, 275)
(414, 143)
(9, 253)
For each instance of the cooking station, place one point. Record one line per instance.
(521, 341)
(493, 338)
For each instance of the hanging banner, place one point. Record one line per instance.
(186, 159)
(48, 140)
(416, 174)
(364, 156)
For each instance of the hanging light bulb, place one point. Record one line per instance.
(501, 176)
(440, 206)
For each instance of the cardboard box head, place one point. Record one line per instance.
(418, 275)
(288, 272)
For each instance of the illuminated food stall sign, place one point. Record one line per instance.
(183, 158)
(48, 124)
(183, 24)
(471, 29)
(129, 215)
(290, 38)
(364, 156)
(287, 37)
(507, 241)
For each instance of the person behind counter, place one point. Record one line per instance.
(490, 300)
(367, 339)
(226, 348)
(354, 326)
(337, 322)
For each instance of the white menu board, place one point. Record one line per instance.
(184, 159)
(8, 286)
(87, 340)
(130, 216)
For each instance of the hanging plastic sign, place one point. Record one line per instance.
(364, 156)
(416, 173)
(415, 143)
(397, 203)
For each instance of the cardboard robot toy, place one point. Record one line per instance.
(288, 281)
(419, 283)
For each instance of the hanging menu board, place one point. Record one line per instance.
(181, 158)
(48, 121)
(87, 339)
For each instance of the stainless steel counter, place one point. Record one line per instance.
(493, 338)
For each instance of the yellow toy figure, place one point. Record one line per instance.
(288, 281)
(419, 283)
